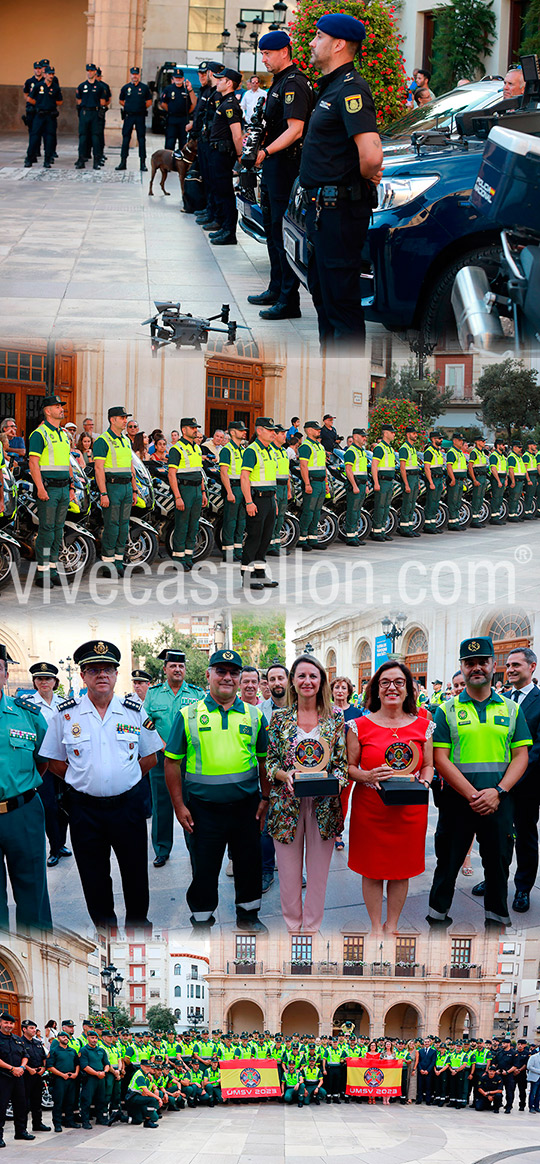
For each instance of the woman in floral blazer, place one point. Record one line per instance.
(304, 825)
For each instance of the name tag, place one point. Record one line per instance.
(501, 720)
(245, 729)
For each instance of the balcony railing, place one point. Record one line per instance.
(468, 970)
(244, 966)
(352, 968)
(301, 966)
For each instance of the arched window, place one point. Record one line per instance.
(178, 992)
(416, 655)
(509, 632)
(177, 968)
(364, 663)
(331, 665)
(177, 1013)
(6, 981)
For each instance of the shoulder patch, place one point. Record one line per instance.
(289, 98)
(132, 703)
(353, 103)
(229, 112)
(149, 723)
(66, 703)
(27, 704)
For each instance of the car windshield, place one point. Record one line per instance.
(441, 112)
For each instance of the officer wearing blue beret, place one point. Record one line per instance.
(341, 161)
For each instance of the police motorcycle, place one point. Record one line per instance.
(163, 514)
(142, 543)
(290, 532)
(10, 551)
(337, 480)
(327, 529)
(504, 313)
(78, 547)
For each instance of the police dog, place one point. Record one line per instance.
(166, 160)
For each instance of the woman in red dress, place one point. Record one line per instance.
(387, 842)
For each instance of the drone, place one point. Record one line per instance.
(170, 325)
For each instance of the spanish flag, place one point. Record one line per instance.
(373, 1076)
(249, 1078)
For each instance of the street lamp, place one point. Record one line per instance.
(224, 43)
(240, 30)
(393, 628)
(309, 649)
(254, 38)
(112, 982)
(69, 671)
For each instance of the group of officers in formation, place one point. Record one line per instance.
(114, 1075)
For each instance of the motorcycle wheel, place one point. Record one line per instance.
(290, 532)
(327, 529)
(10, 562)
(418, 519)
(392, 522)
(364, 525)
(485, 513)
(464, 514)
(141, 547)
(204, 542)
(77, 555)
(46, 1099)
(442, 517)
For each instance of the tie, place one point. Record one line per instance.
(515, 696)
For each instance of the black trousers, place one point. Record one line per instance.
(12, 1090)
(99, 825)
(259, 530)
(482, 1103)
(509, 1090)
(455, 832)
(56, 821)
(216, 827)
(89, 135)
(64, 1094)
(424, 1086)
(175, 131)
(137, 122)
(526, 803)
(334, 1079)
(221, 178)
(203, 156)
(278, 175)
(33, 1090)
(43, 129)
(335, 244)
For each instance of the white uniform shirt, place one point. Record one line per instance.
(47, 709)
(102, 754)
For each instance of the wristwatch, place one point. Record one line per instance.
(502, 791)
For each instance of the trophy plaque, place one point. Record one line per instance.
(310, 775)
(404, 787)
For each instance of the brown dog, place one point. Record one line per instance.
(165, 161)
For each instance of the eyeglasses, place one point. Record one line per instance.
(386, 683)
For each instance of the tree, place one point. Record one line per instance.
(405, 384)
(531, 29)
(160, 1018)
(510, 396)
(398, 413)
(464, 36)
(381, 62)
(169, 636)
(259, 641)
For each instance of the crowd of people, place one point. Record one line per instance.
(116, 1076)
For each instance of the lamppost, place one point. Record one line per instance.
(254, 38)
(309, 649)
(193, 1018)
(279, 10)
(113, 982)
(393, 628)
(69, 671)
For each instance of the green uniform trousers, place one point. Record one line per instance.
(432, 502)
(295, 1095)
(186, 522)
(529, 497)
(454, 497)
(381, 506)
(51, 516)
(142, 1107)
(116, 520)
(308, 1096)
(195, 1094)
(112, 1093)
(497, 497)
(408, 502)
(355, 502)
(214, 1091)
(23, 850)
(477, 498)
(310, 512)
(514, 497)
(234, 524)
(281, 502)
(162, 810)
(92, 1092)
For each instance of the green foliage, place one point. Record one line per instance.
(399, 413)
(404, 384)
(259, 641)
(382, 63)
(160, 1018)
(196, 660)
(510, 397)
(122, 1017)
(531, 29)
(464, 36)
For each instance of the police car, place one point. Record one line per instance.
(164, 77)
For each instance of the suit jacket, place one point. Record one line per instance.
(531, 710)
(427, 1058)
(284, 807)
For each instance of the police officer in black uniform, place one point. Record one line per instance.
(178, 101)
(46, 98)
(135, 99)
(200, 133)
(505, 1063)
(30, 111)
(33, 1076)
(341, 159)
(90, 99)
(225, 150)
(13, 1059)
(288, 105)
(102, 112)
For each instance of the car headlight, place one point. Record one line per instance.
(394, 192)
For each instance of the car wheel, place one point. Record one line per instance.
(436, 315)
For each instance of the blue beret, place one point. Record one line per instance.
(342, 27)
(275, 40)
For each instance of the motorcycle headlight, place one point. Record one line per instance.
(394, 192)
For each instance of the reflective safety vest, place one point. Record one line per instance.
(482, 1057)
(530, 460)
(186, 1049)
(360, 463)
(519, 468)
(441, 1059)
(283, 465)
(437, 460)
(333, 1054)
(387, 463)
(2, 457)
(234, 467)
(113, 1055)
(317, 458)
(213, 1075)
(312, 1072)
(411, 456)
(481, 751)
(228, 1053)
(480, 463)
(499, 462)
(221, 766)
(138, 1081)
(118, 459)
(196, 1076)
(290, 1077)
(459, 466)
(191, 463)
(438, 697)
(456, 1060)
(263, 474)
(54, 459)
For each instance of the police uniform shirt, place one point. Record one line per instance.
(344, 108)
(102, 754)
(227, 113)
(47, 709)
(63, 1058)
(494, 1083)
(289, 96)
(29, 85)
(350, 458)
(249, 462)
(37, 443)
(201, 107)
(12, 1050)
(162, 704)
(135, 97)
(101, 451)
(35, 1051)
(45, 97)
(471, 718)
(177, 743)
(22, 730)
(479, 461)
(177, 100)
(105, 91)
(94, 1057)
(89, 93)
(182, 461)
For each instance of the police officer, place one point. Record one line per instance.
(498, 467)
(456, 472)
(178, 101)
(292, 1086)
(258, 483)
(28, 89)
(341, 157)
(141, 681)
(356, 471)
(409, 468)
(490, 1090)
(63, 1068)
(530, 460)
(142, 1101)
(45, 681)
(434, 474)
(437, 695)
(223, 797)
(186, 479)
(312, 459)
(94, 1066)
(283, 487)
(113, 1078)
(33, 1075)
(115, 479)
(22, 820)
(289, 102)
(13, 1060)
(517, 479)
(135, 99)
(90, 97)
(478, 472)
(46, 98)
(383, 471)
(234, 510)
(481, 745)
(205, 108)
(162, 704)
(50, 468)
(102, 747)
(102, 113)
(225, 150)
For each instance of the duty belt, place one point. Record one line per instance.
(437, 473)
(117, 478)
(196, 479)
(14, 802)
(55, 480)
(223, 147)
(262, 492)
(329, 195)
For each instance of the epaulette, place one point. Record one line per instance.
(132, 702)
(26, 704)
(66, 703)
